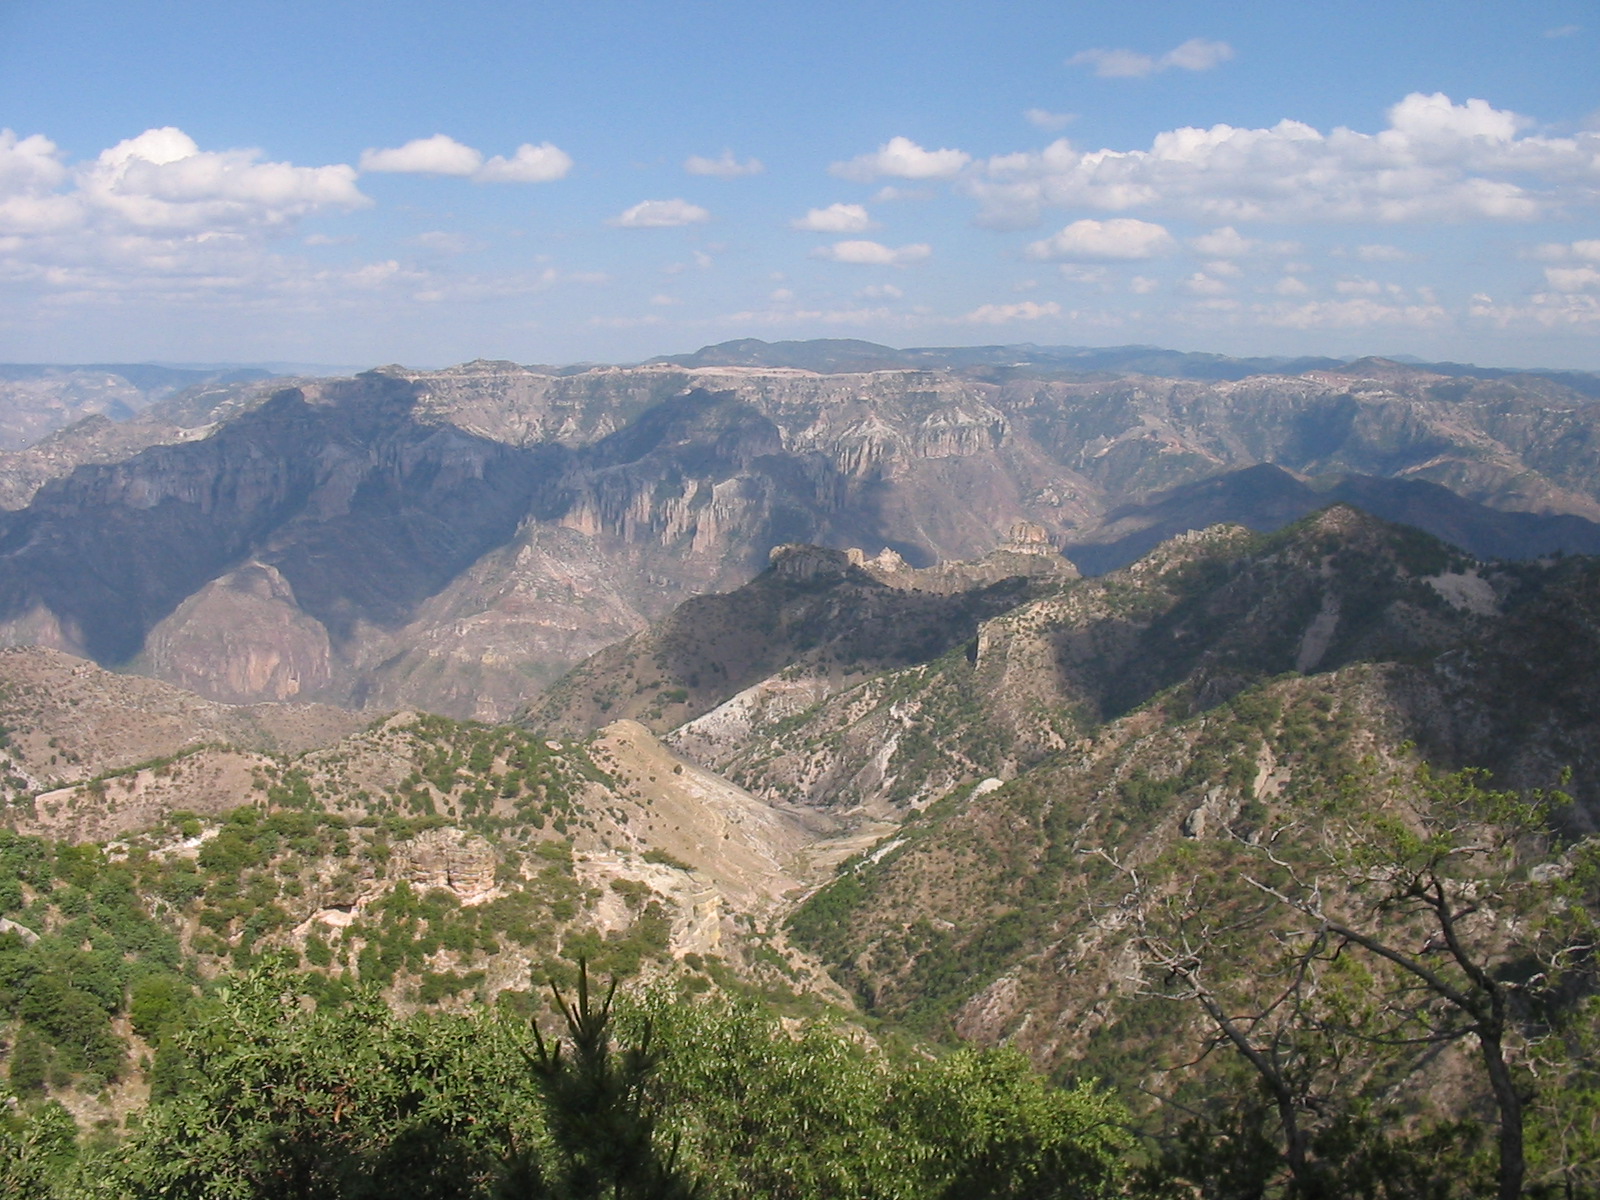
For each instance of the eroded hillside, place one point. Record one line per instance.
(1170, 713)
(454, 540)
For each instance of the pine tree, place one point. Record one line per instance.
(30, 1062)
(598, 1113)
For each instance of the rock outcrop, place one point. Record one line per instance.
(450, 859)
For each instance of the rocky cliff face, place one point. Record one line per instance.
(813, 621)
(453, 540)
(242, 637)
(1204, 618)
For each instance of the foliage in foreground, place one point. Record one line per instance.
(1428, 920)
(280, 1100)
(1410, 918)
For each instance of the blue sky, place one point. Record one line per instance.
(354, 183)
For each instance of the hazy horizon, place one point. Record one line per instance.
(279, 366)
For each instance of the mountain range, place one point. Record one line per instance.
(454, 540)
(914, 794)
(923, 697)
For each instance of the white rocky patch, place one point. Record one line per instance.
(1467, 590)
(1318, 635)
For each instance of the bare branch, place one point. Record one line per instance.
(1404, 961)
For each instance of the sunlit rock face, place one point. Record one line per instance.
(454, 540)
(242, 638)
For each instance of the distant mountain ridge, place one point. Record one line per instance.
(148, 377)
(836, 355)
(1266, 498)
(38, 399)
(454, 540)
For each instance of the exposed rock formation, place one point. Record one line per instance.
(817, 618)
(458, 862)
(242, 638)
(453, 540)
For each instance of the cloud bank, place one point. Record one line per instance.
(160, 182)
(1436, 160)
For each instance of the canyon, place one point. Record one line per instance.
(455, 540)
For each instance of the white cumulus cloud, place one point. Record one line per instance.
(156, 220)
(1197, 54)
(31, 171)
(29, 164)
(543, 163)
(874, 254)
(725, 166)
(1004, 314)
(1121, 238)
(163, 180)
(436, 155)
(1573, 279)
(836, 218)
(661, 214)
(901, 158)
(1433, 121)
(443, 155)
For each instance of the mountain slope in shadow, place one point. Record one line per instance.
(1265, 498)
